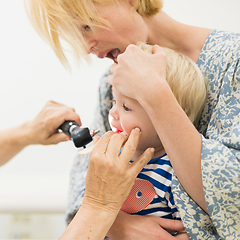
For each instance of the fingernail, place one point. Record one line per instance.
(152, 150)
(138, 129)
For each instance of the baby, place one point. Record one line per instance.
(151, 193)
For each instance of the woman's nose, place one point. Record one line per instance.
(92, 44)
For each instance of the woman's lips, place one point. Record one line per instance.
(113, 54)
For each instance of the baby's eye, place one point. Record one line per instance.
(126, 108)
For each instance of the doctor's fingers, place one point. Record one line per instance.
(55, 114)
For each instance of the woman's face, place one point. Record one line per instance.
(127, 114)
(128, 27)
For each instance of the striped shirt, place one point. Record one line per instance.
(151, 193)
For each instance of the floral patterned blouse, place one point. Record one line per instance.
(220, 130)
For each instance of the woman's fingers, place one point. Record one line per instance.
(141, 161)
(109, 78)
(131, 145)
(95, 139)
(112, 67)
(109, 146)
(130, 148)
(170, 224)
(115, 144)
(101, 144)
(157, 49)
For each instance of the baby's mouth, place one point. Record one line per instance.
(113, 54)
(118, 131)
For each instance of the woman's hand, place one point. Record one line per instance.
(128, 226)
(113, 175)
(137, 72)
(109, 180)
(43, 128)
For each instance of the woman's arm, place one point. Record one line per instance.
(181, 141)
(90, 222)
(109, 180)
(41, 130)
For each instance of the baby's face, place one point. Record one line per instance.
(127, 114)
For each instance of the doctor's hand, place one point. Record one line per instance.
(43, 128)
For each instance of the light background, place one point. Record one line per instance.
(36, 180)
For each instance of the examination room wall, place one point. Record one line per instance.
(34, 184)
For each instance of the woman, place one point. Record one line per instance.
(207, 163)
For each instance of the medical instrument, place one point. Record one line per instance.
(80, 136)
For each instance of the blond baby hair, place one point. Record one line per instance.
(55, 20)
(186, 81)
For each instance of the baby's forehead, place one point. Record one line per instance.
(118, 96)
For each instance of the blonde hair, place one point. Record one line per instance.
(186, 81)
(56, 20)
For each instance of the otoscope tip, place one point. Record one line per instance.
(93, 132)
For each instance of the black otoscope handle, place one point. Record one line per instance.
(67, 127)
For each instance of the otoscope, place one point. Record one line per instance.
(80, 136)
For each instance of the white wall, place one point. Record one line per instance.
(30, 75)
(220, 14)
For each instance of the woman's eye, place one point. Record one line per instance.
(86, 28)
(126, 108)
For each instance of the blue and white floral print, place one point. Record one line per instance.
(220, 126)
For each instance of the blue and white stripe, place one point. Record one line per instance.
(159, 172)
